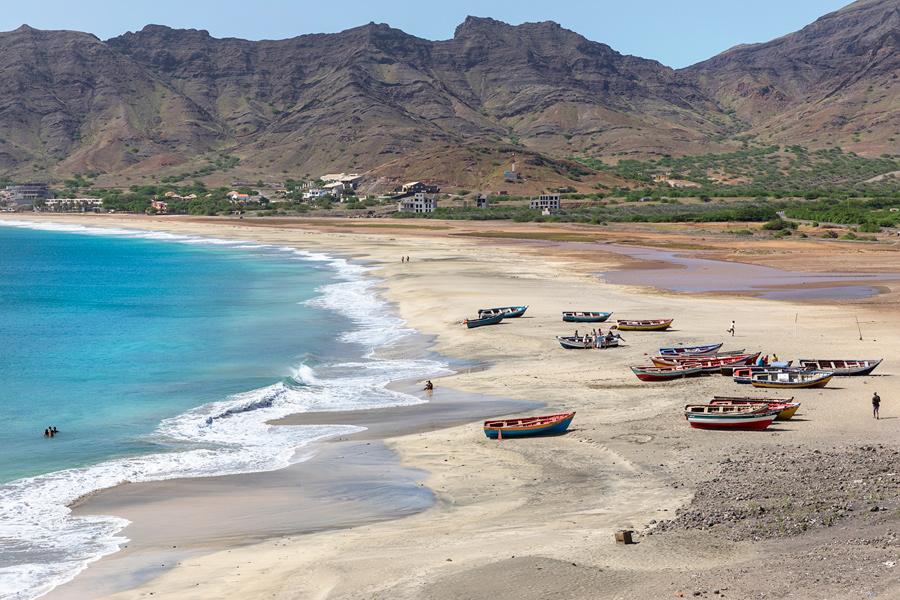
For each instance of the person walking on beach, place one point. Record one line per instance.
(731, 329)
(876, 404)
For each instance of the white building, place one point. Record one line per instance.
(316, 193)
(350, 180)
(336, 189)
(546, 202)
(418, 203)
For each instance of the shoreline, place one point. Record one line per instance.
(627, 460)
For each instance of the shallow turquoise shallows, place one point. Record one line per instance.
(103, 337)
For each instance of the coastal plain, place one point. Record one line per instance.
(535, 518)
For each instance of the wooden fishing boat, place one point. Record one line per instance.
(694, 350)
(645, 325)
(726, 409)
(792, 379)
(508, 312)
(666, 373)
(841, 367)
(786, 407)
(709, 364)
(583, 343)
(528, 425)
(470, 323)
(584, 316)
(753, 421)
(744, 374)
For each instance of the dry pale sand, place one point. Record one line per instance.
(535, 518)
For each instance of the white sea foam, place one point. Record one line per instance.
(226, 437)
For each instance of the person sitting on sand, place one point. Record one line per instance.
(428, 386)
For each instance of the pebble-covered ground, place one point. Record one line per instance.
(784, 491)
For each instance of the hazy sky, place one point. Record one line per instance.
(677, 33)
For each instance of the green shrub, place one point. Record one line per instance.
(870, 228)
(778, 225)
(829, 234)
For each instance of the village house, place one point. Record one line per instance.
(546, 202)
(316, 193)
(418, 203)
(336, 189)
(69, 204)
(27, 193)
(482, 201)
(350, 180)
(416, 187)
(236, 197)
(160, 205)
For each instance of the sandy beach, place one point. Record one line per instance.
(428, 508)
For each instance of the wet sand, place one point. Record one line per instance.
(342, 483)
(694, 275)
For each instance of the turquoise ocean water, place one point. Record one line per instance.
(161, 356)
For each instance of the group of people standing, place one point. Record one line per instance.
(50, 431)
(596, 338)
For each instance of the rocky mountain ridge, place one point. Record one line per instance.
(160, 100)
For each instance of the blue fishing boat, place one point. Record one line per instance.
(677, 350)
(470, 323)
(508, 312)
(584, 316)
(528, 425)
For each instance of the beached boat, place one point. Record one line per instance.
(744, 374)
(585, 342)
(729, 352)
(470, 323)
(842, 367)
(666, 373)
(528, 425)
(585, 316)
(792, 379)
(753, 421)
(695, 350)
(709, 364)
(786, 407)
(644, 325)
(508, 312)
(725, 409)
